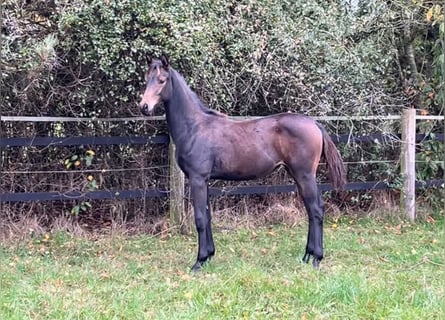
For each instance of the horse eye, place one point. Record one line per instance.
(162, 80)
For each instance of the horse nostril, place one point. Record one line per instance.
(145, 109)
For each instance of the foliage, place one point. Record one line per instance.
(86, 57)
(89, 184)
(436, 93)
(430, 159)
(242, 57)
(373, 269)
(76, 161)
(82, 207)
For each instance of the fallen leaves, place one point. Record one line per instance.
(396, 229)
(431, 220)
(271, 233)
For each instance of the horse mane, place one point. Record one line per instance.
(181, 81)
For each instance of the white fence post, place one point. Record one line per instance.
(408, 163)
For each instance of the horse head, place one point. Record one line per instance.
(157, 84)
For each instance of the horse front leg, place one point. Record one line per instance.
(199, 193)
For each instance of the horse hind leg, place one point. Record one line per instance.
(308, 189)
(209, 233)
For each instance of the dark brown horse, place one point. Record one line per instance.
(211, 146)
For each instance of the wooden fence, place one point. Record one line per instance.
(177, 181)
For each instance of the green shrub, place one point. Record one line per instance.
(247, 58)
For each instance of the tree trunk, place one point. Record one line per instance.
(409, 51)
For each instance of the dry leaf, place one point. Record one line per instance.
(429, 15)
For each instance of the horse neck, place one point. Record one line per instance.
(183, 111)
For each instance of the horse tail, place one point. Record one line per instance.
(336, 167)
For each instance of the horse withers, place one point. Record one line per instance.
(209, 145)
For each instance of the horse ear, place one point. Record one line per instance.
(149, 60)
(164, 60)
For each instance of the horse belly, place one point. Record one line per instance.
(242, 165)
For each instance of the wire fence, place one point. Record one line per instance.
(133, 166)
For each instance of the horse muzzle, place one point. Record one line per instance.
(147, 110)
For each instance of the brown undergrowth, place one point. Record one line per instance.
(229, 213)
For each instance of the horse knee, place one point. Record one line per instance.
(201, 222)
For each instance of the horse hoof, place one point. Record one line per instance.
(196, 267)
(316, 263)
(306, 258)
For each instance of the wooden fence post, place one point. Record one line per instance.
(408, 163)
(177, 210)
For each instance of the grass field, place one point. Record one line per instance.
(372, 270)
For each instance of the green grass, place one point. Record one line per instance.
(372, 270)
